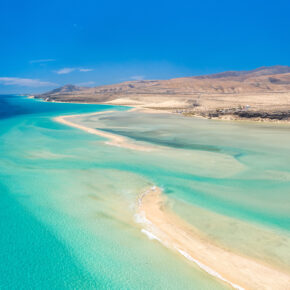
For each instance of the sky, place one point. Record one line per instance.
(46, 44)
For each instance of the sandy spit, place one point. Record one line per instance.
(114, 140)
(240, 272)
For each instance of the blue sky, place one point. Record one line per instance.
(45, 44)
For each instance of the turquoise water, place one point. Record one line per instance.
(66, 207)
(258, 154)
(231, 180)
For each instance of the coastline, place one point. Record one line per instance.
(172, 110)
(232, 117)
(239, 272)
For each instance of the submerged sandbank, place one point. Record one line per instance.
(114, 140)
(239, 271)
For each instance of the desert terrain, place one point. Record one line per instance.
(260, 94)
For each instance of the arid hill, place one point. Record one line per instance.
(259, 93)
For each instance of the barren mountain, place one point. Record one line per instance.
(264, 92)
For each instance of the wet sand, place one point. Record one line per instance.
(240, 272)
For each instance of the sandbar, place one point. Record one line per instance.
(238, 271)
(114, 140)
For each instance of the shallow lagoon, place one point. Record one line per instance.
(68, 198)
(231, 180)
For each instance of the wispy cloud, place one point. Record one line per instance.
(85, 69)
(90, 83)
(68, 70)
(42, 60)
(11, 81)
(137, 78)
(65, 70)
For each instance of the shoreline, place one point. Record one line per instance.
(234, 118)
(157, 110)
(240, 272)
